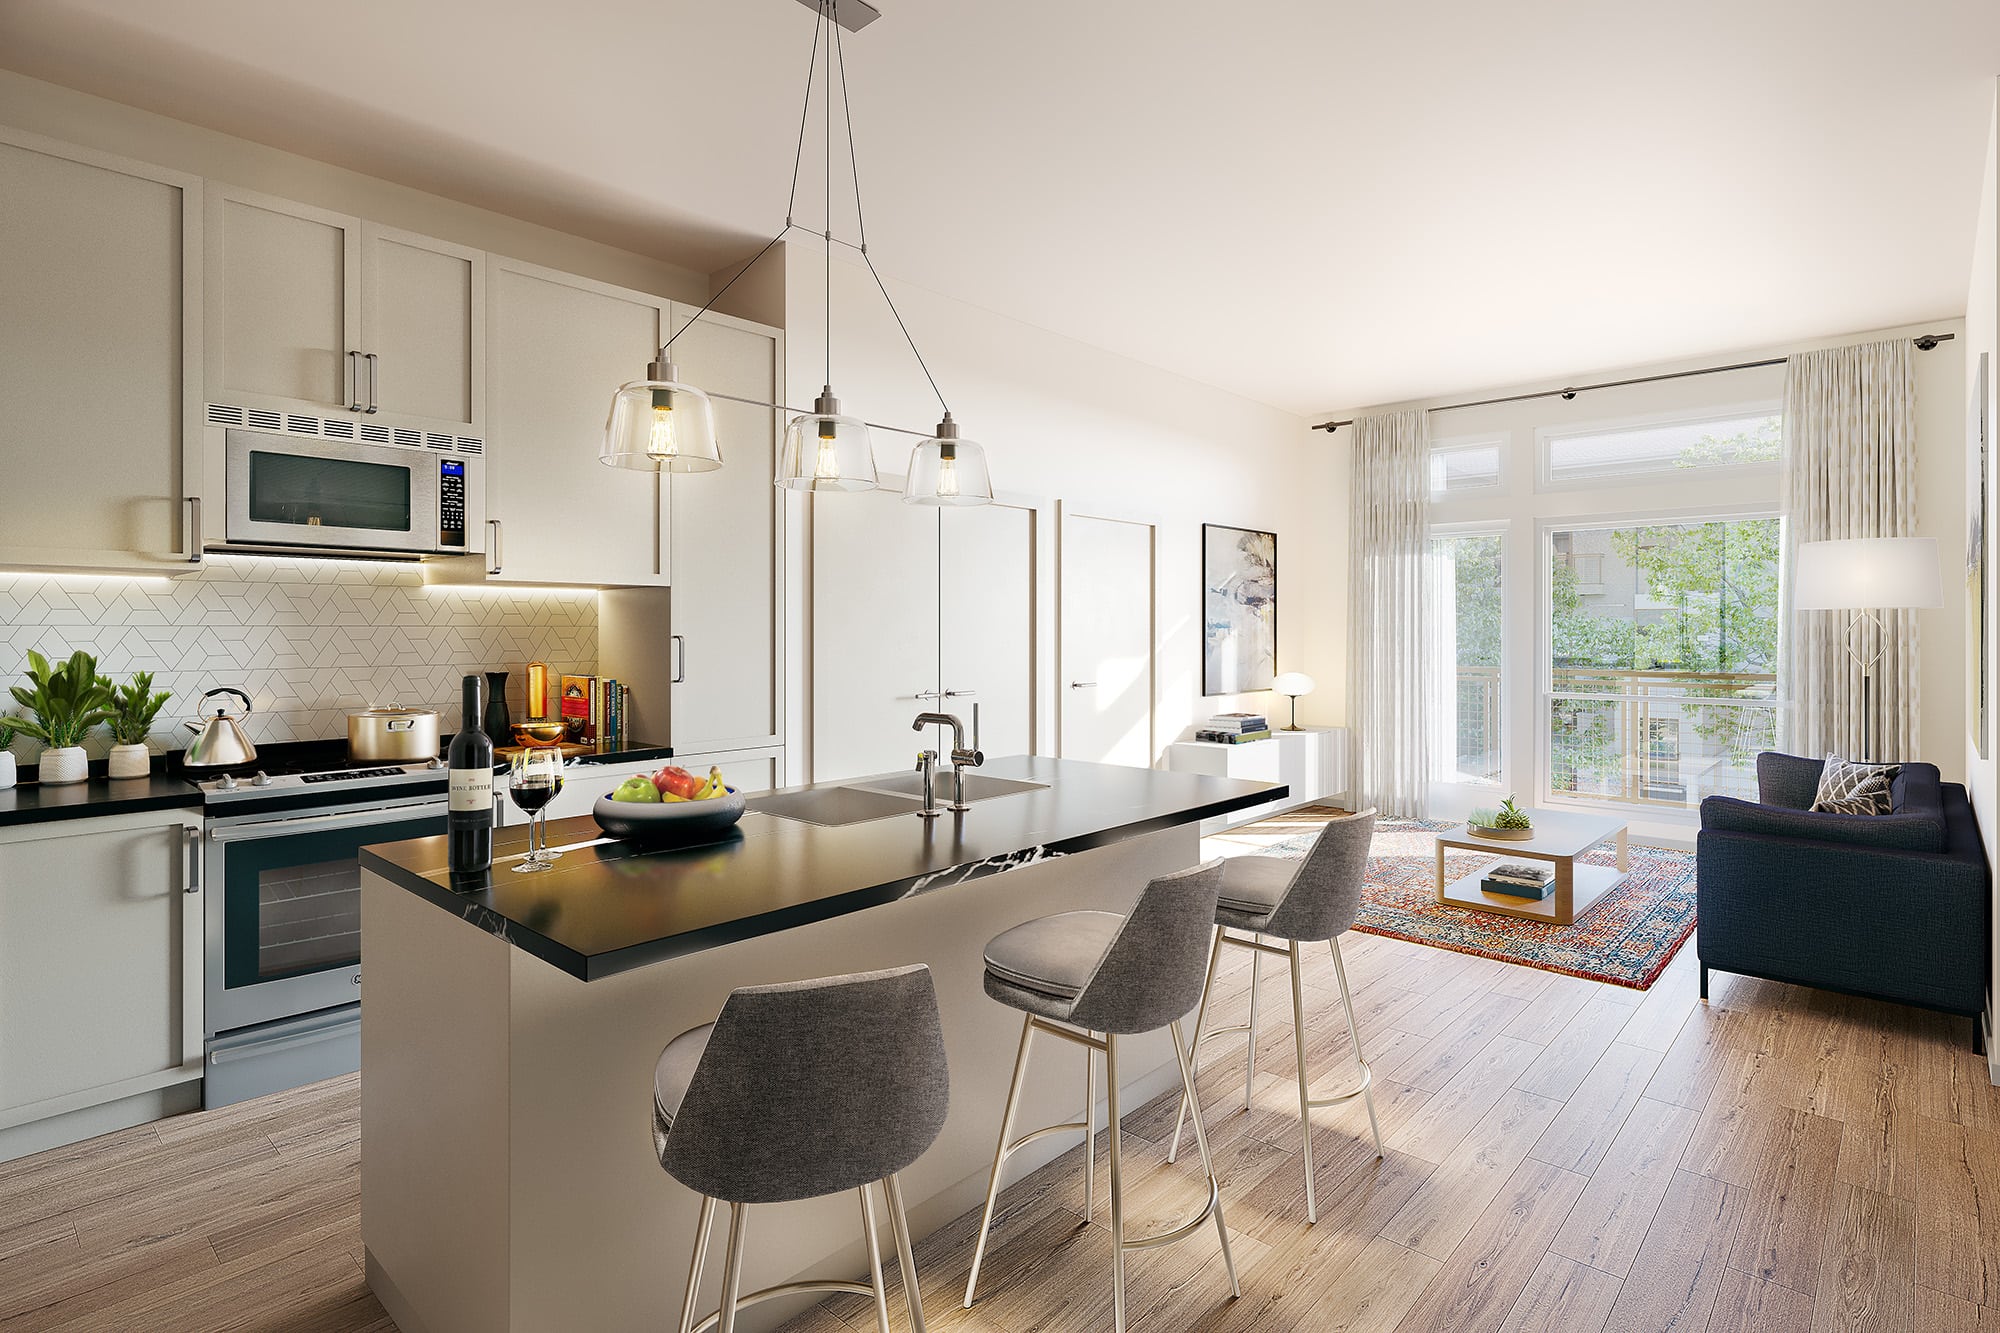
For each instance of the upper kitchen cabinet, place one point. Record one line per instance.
(100, 360)
(726, 607)
(315, 312)
(559, 347)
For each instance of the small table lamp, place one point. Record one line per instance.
(1292, 684)
(1863, 575)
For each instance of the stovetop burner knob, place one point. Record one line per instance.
(227, 783)
(262, 779)
(433, 762)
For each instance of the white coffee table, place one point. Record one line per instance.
(1560, 836)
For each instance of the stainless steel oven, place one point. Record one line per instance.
(283, 927)
(289, 492)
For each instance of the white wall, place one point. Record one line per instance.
(1062, 420)
(61, 113)
(1982, 336)
(1940, 514)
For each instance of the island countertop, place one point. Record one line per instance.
(611, 906)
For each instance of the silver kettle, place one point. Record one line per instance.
(219, 742)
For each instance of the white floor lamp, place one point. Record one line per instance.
(1864, 576)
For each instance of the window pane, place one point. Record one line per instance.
(1663, 659)
(1726, 442)
(1469, 569)
(1465, 467)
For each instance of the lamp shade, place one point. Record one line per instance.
(945, 470)
(1868, 574)
(1293, 683)
(825, 451)
(659, 424)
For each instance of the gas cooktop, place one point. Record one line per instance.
(320, 768)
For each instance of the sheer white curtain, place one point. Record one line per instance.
(1850, 471)
(1391, 701)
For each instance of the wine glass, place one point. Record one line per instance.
(533, 780)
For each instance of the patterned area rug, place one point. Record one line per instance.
(1627, 939)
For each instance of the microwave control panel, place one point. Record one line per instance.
(451, 502)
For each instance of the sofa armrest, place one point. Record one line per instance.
(1912, 832)
(1788, 780)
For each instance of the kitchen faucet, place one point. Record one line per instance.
(962, 758)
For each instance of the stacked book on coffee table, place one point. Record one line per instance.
(1520, 879)
(1235, 728)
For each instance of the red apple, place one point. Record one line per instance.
(677, 781)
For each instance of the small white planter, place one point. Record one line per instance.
(129, 761)
(66, 764)
(7, 769)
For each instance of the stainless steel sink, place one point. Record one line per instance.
(978, 787)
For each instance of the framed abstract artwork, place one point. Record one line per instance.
(1239, 609)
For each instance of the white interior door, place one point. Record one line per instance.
(1106, 680)
(988, 622)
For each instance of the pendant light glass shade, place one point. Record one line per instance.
(825, 451)
(659, 424)
(945, 470)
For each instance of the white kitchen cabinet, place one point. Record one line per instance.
(558, 347)
(100, 360)
(317, 313)
(100, 975)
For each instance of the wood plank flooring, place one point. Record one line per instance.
(1562, 1156)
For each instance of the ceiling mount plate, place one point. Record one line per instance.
(854, 15)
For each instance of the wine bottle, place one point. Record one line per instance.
(470, 760)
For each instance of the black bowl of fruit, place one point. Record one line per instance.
(671, 808)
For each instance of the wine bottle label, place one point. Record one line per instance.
(471, 790)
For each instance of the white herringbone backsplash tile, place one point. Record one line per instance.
(306, 639)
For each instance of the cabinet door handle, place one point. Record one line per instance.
(194, 541)
(371, 384)
(958, 694)
(191, 841)
(1083, 684)
(680, 643)
(493, 555)
(354, 381)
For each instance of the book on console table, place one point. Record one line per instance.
(1231, 737)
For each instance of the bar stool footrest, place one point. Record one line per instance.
(1367, 1080)
(1184, 1230)
(789, 1289)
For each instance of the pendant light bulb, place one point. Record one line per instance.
(946, 470)
(826, 451)
(659, 424)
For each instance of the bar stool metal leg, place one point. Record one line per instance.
(1305, 1097)
(874, 1243)
(1000, 1156)
(1207, 1163)
(1354, 1032)
(701, 1232)
(899, 1223)
(1250, 1038)
(1194, 1055)
(1117, 1188)
(1089, 1132)
(732, 1269)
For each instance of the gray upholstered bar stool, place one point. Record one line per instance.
(1300, 901)
(1090, 978)
(798, 1090)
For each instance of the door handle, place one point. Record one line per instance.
(354, 381)
(958, 694)
(493, 555)
(371, 384)
(1083, 684)
(194, 542)
(191, 844)
(680, 646)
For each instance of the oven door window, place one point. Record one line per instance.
(308, 492)
(292, 902)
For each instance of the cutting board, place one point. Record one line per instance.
(570, 749)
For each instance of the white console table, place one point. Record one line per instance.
(1312, 761)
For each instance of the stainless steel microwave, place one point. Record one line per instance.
(290, 492)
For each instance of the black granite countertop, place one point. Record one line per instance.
(31, 803)
(611, 906)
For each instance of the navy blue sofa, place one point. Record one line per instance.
(1892, 907)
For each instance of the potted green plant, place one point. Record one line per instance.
(7, 767)
(133, 708)
(64, 703)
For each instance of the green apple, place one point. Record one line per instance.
(639, 787)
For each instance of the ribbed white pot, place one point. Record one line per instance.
(129, 761)
(65, 764)
(7, 769)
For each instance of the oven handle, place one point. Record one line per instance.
(277, 828)
(224, 1056)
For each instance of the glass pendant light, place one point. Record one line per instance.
(659, 424)
(945, 470)
(825, 451)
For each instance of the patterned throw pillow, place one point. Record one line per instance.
(1848, 788)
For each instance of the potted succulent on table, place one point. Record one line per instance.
(1509, 822)
(65, 702)
(133, 708)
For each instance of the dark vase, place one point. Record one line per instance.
(499, 726)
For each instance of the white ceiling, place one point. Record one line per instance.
(1313, 204)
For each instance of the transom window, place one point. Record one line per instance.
(1739, 438)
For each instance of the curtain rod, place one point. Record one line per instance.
(1924, 343)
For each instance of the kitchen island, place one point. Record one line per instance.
(510, 1025)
